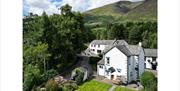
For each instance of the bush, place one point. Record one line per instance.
(50, 74)
(32, 77)
(80, 76)
(51, 85)
(70, 86)
(148, 80)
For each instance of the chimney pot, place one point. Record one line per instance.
(140, 43)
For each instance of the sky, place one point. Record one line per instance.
(51, 6)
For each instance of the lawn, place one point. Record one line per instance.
(93, 85)
(122, 89)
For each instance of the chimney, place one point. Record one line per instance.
(140, 43)
(114, 41)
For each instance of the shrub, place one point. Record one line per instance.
(50, 74)
(148, 80)
(70, 86)
(51, 85)
(32, 77)
(80, 76)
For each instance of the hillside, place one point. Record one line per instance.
(124, 10)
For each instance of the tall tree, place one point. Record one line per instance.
(135, 35)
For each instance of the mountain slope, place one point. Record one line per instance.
(124, 10)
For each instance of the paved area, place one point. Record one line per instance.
(133, 86)
(112, 88)
(104, 80)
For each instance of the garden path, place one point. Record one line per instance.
(112, 88)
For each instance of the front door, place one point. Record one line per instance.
(112, 77)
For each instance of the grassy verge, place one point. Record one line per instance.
(122, 89)
(93, 85)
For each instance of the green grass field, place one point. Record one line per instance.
(98, 86)
(122, 89)
(94, 86)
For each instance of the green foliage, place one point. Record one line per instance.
(135, 35)
(32, 77)
(132, 32)
(149, 81)
(80, 75)
(51, 85)
(66, 10)
(50, 74)
(119, 88)
(116, 31)
(69, 86)
(50, 43)
(36, 55)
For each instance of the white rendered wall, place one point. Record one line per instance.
(148, 64)
(118, 61)
(100, 71)
(96, 47)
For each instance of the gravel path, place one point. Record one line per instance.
(112, 88)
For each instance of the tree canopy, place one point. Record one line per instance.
(51, 42)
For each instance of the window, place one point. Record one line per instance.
(100, 66)
(93, 49)
(154, 59)
(107, 58)
(119, 70)
(98, 45)
(136, 69)
(129, 63)
(98, 51)
(94, 45)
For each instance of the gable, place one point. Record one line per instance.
(121, 48)
(115, 52)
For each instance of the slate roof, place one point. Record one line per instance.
(150, 52)
(134, 49)
(101, 62)
(109, 42)
(102, 42)
(108, 48)
(122, 48)
(120, 42)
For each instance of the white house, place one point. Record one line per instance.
(122, 62)
(98, 46)
(151, 59)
